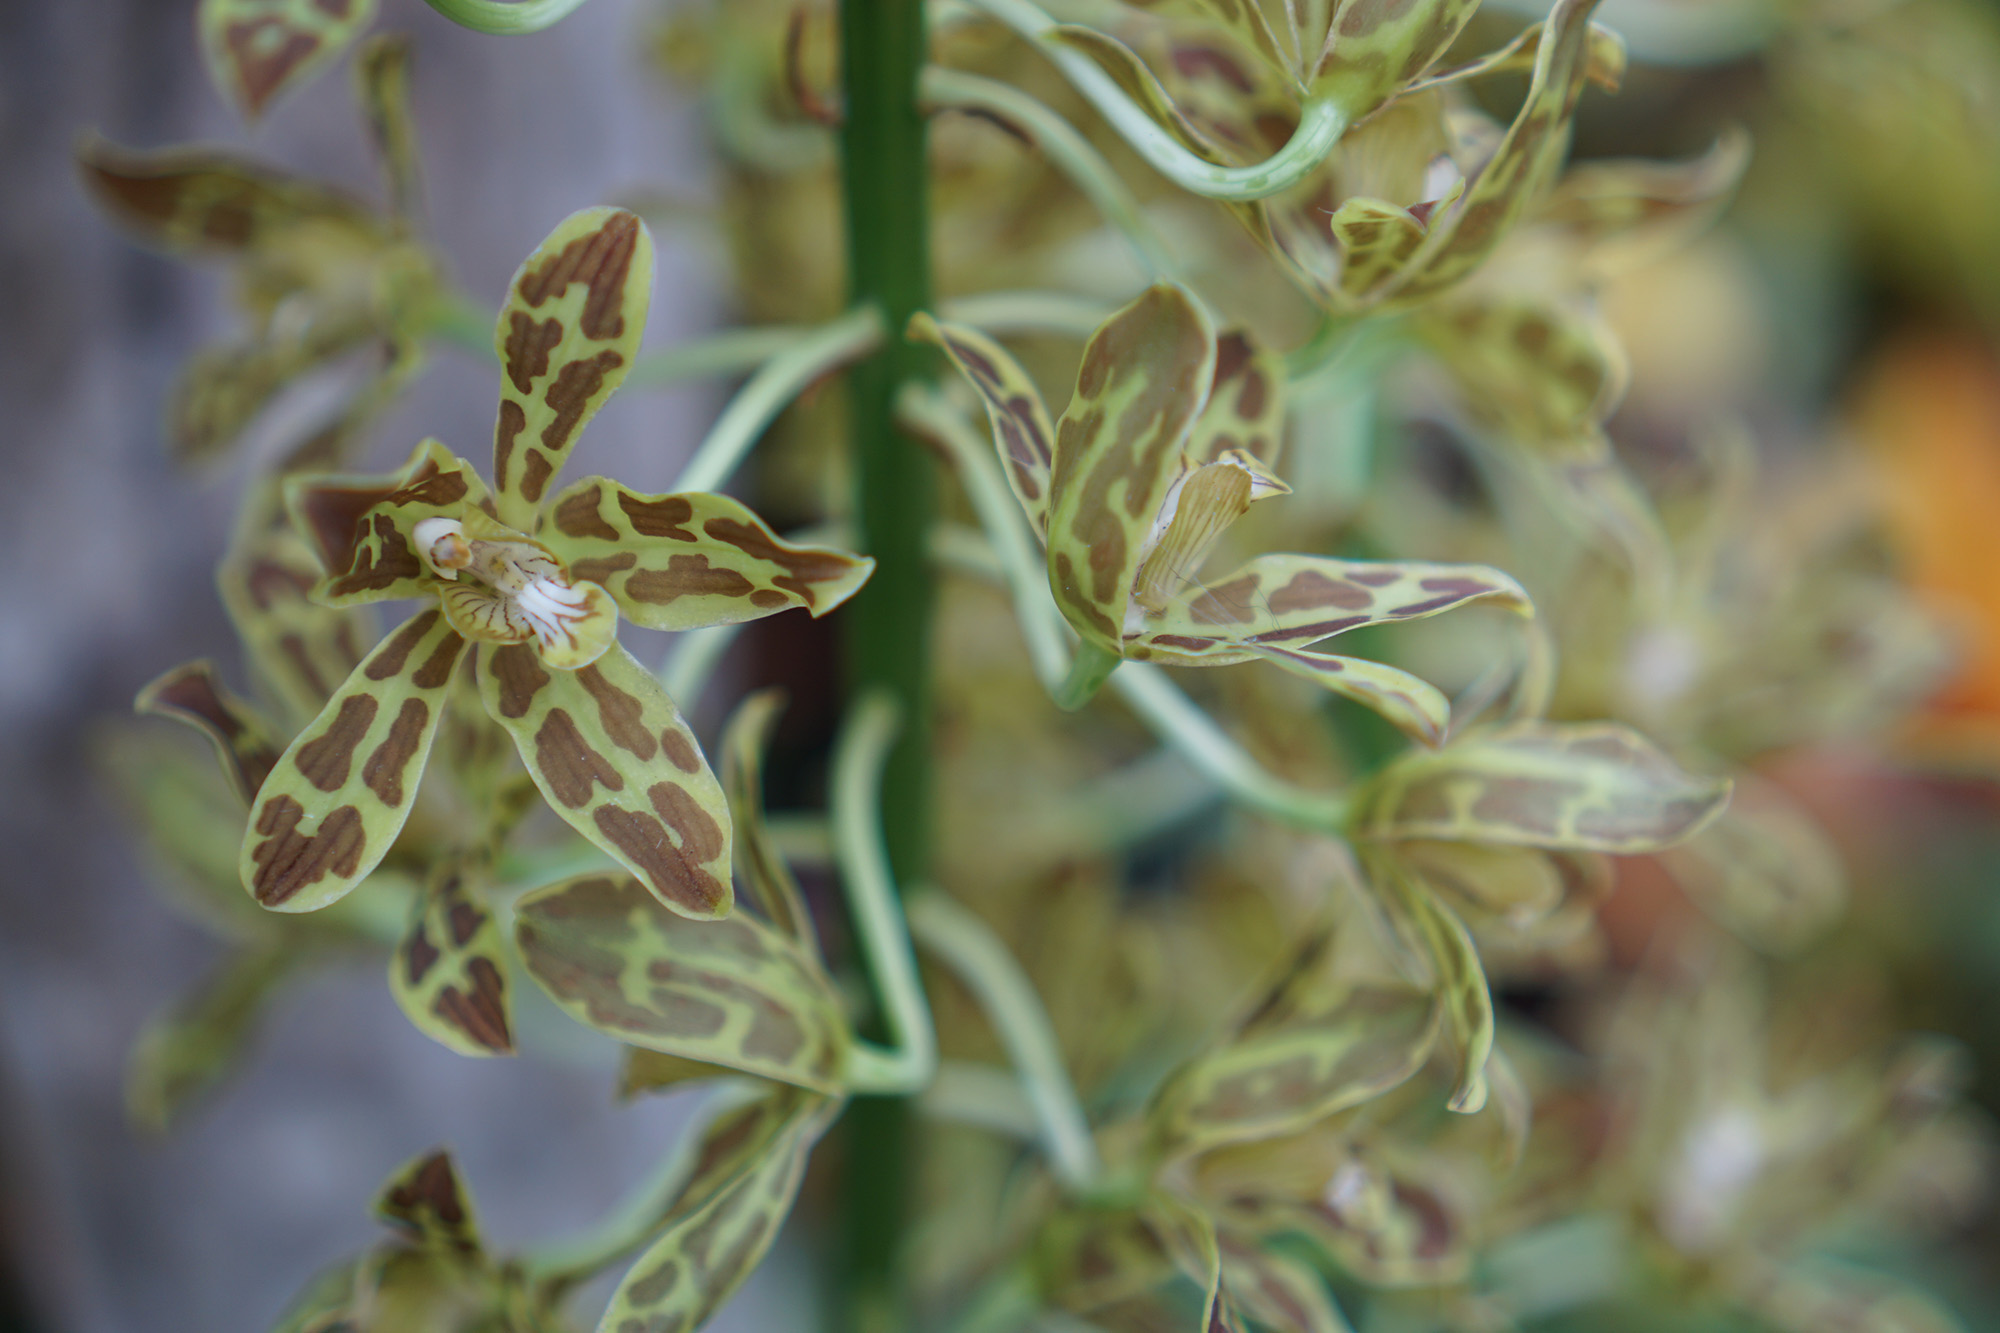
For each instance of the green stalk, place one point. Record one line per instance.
(886, 183)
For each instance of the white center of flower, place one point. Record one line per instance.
(441, 544)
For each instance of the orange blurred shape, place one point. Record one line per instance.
(1929, 409)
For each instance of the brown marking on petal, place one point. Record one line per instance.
(383, 771)
(535, 473)
(430, 1190)
(653, 1287)
(680, 751)
(1309, 590)
(1450, 589)
(602, 261)
(664, 517)
(803, 567)
(269, 582)
(768, 598)
(577, 516)
(287, 862)
(1231, 603)
(513, 420)
(294, 649)
(419, 956)
(518, 672)
(646, 842)
(1193, 62)
(685, 576)
(332, 519)
(1066, 578)
(479, 1013)
(1186, 642)
(435, 673)
(261, 68)
(372, 571)
(598, 569)
(465, 921)
(701, 836)
(618, 713)
(570, 394)
(325, 760)
(1374, 578)
(1533, 805)
(1316, 631)
(390, 658)
(774, 1034)
(570, 764)
(526, 353)
(434, 488)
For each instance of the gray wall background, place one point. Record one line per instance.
(107, 551)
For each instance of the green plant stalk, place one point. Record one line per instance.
(1014, 1008)
(885, 183)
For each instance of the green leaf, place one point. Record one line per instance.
(427, 1205)
(746, 1175)
(340, 793)
(1586, 786)
(1315, 1043)
(734, 993)
(298, 649)
(1441, 939)
(183, 1053)
(449, 971)
(260, 49)
(1118, 451)
(566, 338)
(191, 693)
(769, 879)
(679, 562)
(614, 758)
(1021, 429)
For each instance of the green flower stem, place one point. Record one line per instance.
(858, 848)
(1088, 671)
(1013, 1007)
(506, 19)
(983, 1096)
(1002, 313)
(1158, 702)
(1068, 151)
(728, 352)
(768, 392)
(1321, 122)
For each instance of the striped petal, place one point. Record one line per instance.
(338, 797)
(260, 49)
(613, 757)
(449, 974)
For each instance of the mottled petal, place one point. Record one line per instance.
(1021, 428)
(425, 1202)
(299, 650)
(362, 527)
(734, 993)
(1441, 939)
(687, 561)
(1374, 48)
(614, 758)
(194, 201)
(769, 880)
(566, 339)
(449, 971)
(259, 49)
(1416, 707)
(243, 743)
(340, 793)
(1245, 411)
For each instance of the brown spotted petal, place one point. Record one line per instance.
(363, 528)
(197, 201)
(1416, 707)
(1501, 190)
(1119, 447)
(299, 650)
(614, 758)
(740, 1188)
(566, 339)
(425, 1203)
(1245, 411)
(1606, 58)
(259, 49)
(686, 561)
(242, 739)
(449, 971)
(1457, 977)
(734, 993)
(1294, 601)
(1375, 48)
(1538, 372)
(340, 793)
(1315, 1043)
(1586, 786)
(1021, 428)
(1599, 202)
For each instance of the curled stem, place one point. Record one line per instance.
(1013, 1007)
(503, 18)
(772, 388)
(1321, 122)
(907, 1065)
(1067, 150)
